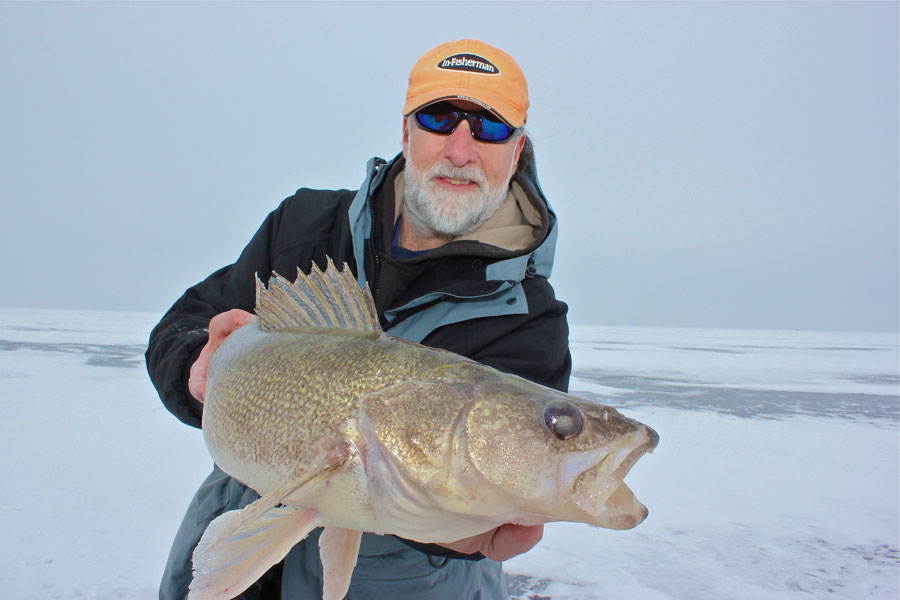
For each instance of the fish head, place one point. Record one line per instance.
(562, 458)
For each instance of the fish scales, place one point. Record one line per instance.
(307, 383)
(339, 425)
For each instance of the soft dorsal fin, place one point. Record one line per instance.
(328, 300)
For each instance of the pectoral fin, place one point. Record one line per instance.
(240, 545)
(338, 549)
(225, 567)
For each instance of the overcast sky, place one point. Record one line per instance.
(712, 164)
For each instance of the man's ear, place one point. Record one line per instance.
(520, 143)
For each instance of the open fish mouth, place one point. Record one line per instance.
(600, 491)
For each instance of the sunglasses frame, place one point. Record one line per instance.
(468, 116)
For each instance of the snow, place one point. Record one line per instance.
(776, 475)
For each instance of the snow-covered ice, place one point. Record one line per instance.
(776, 476)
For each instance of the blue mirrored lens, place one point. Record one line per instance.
(443, 122)
(491, 130)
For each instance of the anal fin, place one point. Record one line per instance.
(338, 550)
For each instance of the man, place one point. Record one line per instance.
(456, 242)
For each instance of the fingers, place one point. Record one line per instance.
(501, 543)
(220, 327)
(224, 324)
(470, 545)
(511, 540)
(197, 379)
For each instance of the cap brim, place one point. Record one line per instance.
(494, 103)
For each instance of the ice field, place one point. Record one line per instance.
(776, 475)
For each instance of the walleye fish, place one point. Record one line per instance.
(338, 425)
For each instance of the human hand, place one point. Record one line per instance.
(220, 327)
(501, 543)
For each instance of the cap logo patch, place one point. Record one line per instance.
(468, 62)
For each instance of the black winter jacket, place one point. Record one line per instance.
(313, 224)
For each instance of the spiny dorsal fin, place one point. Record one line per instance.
(329, 300)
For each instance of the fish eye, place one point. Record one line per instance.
(563, 420)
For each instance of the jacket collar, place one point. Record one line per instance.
(504, 265)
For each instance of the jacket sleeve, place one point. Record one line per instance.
(181, 334)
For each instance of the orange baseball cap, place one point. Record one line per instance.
(473, 71)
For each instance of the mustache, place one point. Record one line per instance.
(469, 172)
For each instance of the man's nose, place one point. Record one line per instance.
(460, 148)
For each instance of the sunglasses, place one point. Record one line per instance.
(443, 118)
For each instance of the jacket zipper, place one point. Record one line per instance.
(376, 263)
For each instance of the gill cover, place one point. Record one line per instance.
(511, 445)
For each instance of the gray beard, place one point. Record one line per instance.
(431, 210)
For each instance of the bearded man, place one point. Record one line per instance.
(455, 240)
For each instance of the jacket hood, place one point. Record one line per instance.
(473, 279)
(518, 241)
